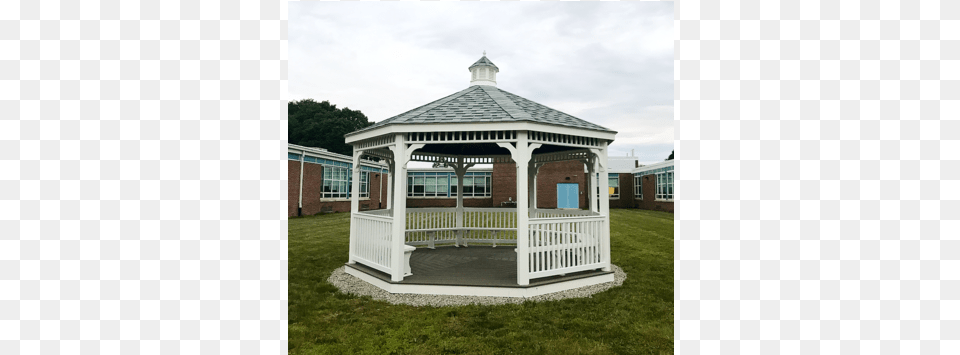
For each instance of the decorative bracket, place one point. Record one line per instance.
(410, 148)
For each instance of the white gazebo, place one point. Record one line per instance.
(483, 124)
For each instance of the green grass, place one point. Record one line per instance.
(634, 318)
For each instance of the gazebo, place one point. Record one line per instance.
(555, 249)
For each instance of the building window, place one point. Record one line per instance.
(428, 185)
(336, 182)
(364, 184)
(614, 181)
(638, 186)
(474, 185)
(665, 186)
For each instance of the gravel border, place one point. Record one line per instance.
(352, 285)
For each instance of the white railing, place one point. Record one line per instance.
(373, 238)
(565, 245)
(490, 225)
(560, 241)
(429, 226)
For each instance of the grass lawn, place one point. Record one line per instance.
(634, 318)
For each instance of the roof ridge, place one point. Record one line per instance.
(423, 109)
(505, 103)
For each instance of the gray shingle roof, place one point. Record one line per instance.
(483, 61)
(484, 103)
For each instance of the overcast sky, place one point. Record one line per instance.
(610, 63)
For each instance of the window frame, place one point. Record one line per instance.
(664, 190)
(341, 195)
(331, 175)
(638, 186)
(616, 191)
(487, 184)
(440, 190)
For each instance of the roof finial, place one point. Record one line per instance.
(484, 52)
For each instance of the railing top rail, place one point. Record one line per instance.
(373, 216)
(468, 209)
(490, 209)
(566, 219)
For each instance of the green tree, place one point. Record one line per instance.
(670, 157)
(322, 124)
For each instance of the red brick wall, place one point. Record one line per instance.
(293, 187)
(649, 196)
(376, 181)
(626, 199)
(312, 184)
(504, 181)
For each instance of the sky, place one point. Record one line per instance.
(610, 63)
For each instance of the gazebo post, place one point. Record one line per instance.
(391, 173)
(593, 188)
(399, 178)
(604, 205)
(534, 170)
(354, 202)
(460, 172)
(521, 156)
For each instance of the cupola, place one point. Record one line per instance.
(483, 72)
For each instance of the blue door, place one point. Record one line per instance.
(568, 195)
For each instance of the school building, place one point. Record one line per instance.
(319, 181)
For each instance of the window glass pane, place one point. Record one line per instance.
(467, 180)
(442, 188)
(442, 180)
(467, 190)
(326, 186)
(479, 189)
(430, 188)
(418, 181)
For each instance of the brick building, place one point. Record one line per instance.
(653, 186)
(319, 181)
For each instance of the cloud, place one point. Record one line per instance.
(608, 63)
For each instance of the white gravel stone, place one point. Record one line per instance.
(351, 285)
